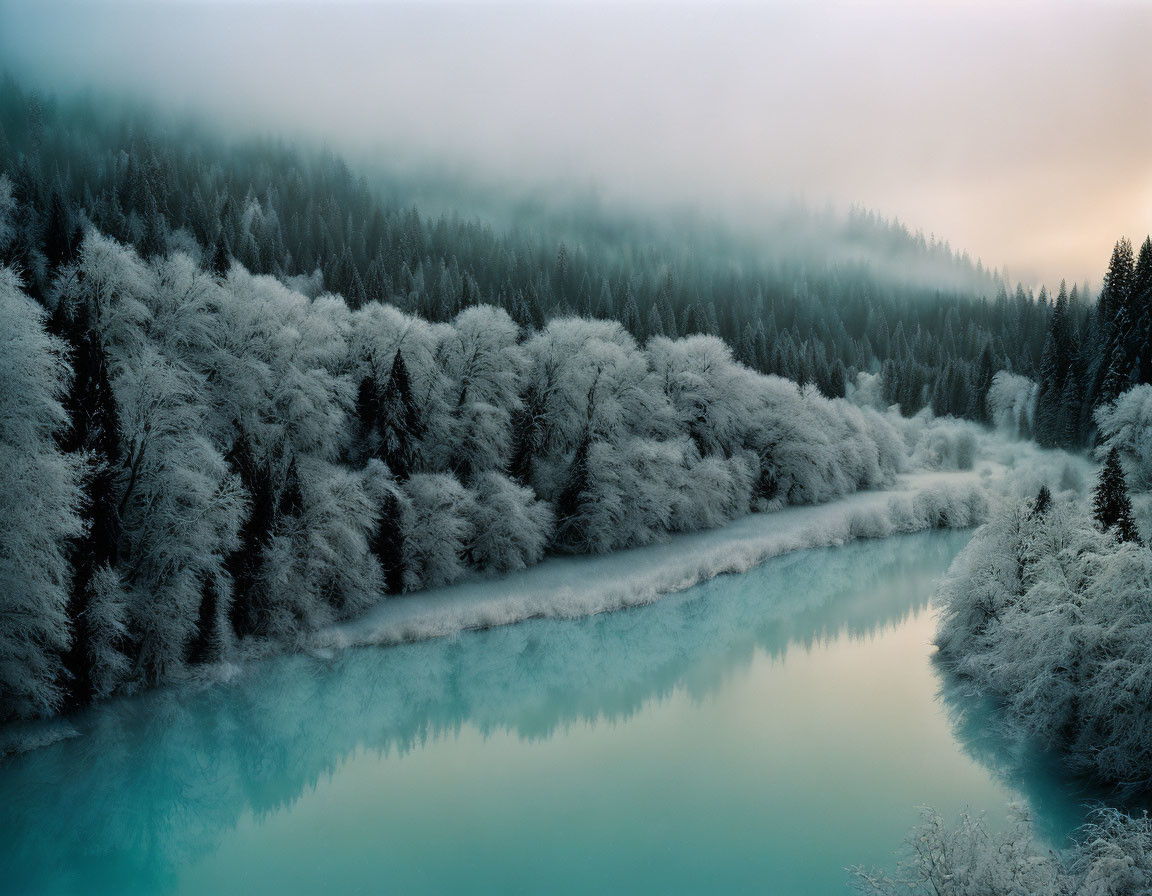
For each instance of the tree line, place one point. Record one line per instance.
(197, 462)
(817, 301)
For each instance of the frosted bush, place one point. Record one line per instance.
(1111, 856)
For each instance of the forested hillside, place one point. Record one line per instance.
(818, 301)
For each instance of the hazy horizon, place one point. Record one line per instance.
(1014, 133)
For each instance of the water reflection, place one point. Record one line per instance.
(1057, 798)
(156, 781)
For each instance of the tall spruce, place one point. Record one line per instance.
(387, 543)
(245, 562)
(569, 503)
(1111, 506)
(1114, 361)
(399, 421)
(1142, 309)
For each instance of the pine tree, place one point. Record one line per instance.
(1111, 506)
(985, 371)
(572, 497)
(221, 260)
(1142, 305)
(368, 410)
(1041, 504)
(58, 232)
(1054, 367)
(244, 563)
(388, 544)
(399, 421)
(526, 434)
(203, 646)
(1112, 366)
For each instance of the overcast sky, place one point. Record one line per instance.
(1022, 132)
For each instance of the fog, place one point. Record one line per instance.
(1020, 133)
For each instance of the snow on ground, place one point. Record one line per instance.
(581, 585)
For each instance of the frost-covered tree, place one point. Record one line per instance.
(440, 530)
(1011, 403)
(511, 527)
(39, 503)
(1125, 425)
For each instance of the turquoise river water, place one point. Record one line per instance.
(755, 734)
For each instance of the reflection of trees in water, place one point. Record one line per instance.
(1058, 799)
(155, 780)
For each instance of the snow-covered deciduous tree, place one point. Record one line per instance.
(440, 530)
(1126, 425)
(39, 503)
(481, 357)
(1011, 403)
(511, 527)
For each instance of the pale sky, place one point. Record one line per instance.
(1021, 132)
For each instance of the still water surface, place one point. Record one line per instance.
(755, 734)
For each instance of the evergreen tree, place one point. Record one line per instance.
(1142, 305)
(244, 564)
(985, 371)
(1054, 367)
(59, 244)
(368, 411)
(220, 259)
(1111, 506)
(203, 648)
(399, 421)
(1112, 366)
(572, 497)
(388, 543)
(526, 435)
(1041, 504)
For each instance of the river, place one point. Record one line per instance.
(756, 733)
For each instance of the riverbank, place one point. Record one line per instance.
(584, 585)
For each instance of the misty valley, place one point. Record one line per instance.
(404, 491)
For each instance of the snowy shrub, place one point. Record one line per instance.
(1111, 856)
(942, 443)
